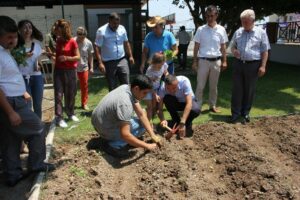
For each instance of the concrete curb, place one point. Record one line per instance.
(35, 189)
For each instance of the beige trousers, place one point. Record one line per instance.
(210, 70)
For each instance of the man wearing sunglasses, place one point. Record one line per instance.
(209, 56)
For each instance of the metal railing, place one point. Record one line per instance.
(289, 32)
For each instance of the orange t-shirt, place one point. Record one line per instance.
(66, 48)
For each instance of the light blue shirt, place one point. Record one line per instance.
(156, 44)
(184, 89)
(111, 42)
(250, 44)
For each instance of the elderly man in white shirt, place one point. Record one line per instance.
(209, 56)
(17, 121)
(250, 46)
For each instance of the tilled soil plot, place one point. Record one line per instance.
(260, 160)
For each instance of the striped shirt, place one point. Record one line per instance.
(250, 44)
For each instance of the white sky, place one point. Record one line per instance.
(165, 7)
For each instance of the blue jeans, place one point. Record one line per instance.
(171, 68)
(136, 129)
(35, 87)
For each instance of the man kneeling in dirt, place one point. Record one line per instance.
(113, 118)
(177, 95)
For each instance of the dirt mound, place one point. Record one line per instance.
(260, 160)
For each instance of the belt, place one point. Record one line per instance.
(115, 60)
(211, 59)
(248, 61)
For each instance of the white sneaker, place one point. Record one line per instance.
(62, 124)
(74, 118)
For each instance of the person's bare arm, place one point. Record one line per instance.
(132, 140)
(91, 62)
(76, 57)
(144, 119)
(264, 59)
(195, 56)
(224, 56)
(129, 52)
(186, 112)
(144, 58)
(99, 59)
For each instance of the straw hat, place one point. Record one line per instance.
(153, 21)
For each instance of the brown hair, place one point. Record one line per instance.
(36, 34)
(158, 58)
(65, 28)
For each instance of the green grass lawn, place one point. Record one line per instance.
(278, 93)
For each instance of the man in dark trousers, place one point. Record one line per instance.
(18, 122)
(249, 46)
(112, 46)
(177, 95)
(184, 41)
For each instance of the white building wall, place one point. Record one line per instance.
(44, 18)
(93, 20)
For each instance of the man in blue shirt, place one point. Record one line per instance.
(158, 40)
(111, 43)
(177, 95)
(249, 46)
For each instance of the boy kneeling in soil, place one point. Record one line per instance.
(113, 118)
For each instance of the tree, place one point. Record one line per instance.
(230, 10)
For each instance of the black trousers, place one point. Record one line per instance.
(30, 130)
(244, 78)
(116, 70)
(173, 105)
(182, 52)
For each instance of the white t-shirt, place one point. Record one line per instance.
(155, 75)
(11, 80)
(86, 49)
(184, 88)
(210, 40)
(32, 61)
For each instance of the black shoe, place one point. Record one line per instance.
(189, 132)
(247, 118)
(118, 153)
(11, 182)
(233, 120)
(46, 167)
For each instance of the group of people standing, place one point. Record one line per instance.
(159, 86)
(114, 116)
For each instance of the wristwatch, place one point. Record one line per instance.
(182, 123)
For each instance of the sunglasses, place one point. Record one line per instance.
(80, 34)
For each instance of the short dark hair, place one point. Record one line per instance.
(142, 81)
(114, 15)
(212, 8)
(170, 79)
(7, 25)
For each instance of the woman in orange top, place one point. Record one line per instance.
(67, 55)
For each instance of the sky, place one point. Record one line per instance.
(165, 7)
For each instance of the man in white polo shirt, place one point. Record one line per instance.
(209, 56)
(18, 123)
